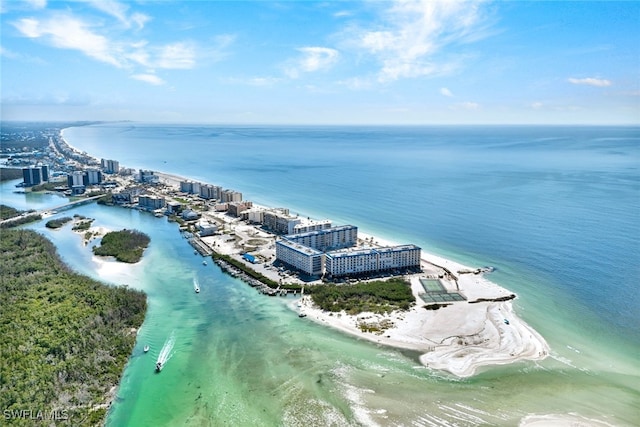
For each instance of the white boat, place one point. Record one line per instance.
(204, 262)
(146, 348)
(158, 366)
(196, 287)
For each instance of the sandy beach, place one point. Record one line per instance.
(459, 338)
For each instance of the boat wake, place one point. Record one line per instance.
(165, 353)
(196, 286)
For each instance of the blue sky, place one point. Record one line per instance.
(329, 62)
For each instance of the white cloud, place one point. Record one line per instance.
(176, 56)
(590, 81)
(537, 105)
(446, 92)
(357, 83)
(312, 59)
(67, 32)
(119, 11)
(56, 98)
(37, 4)
(9, 54)
(342, 14)
(263, 81)
(413, 32)
(253, 81)
(468, 105)
(149, 78)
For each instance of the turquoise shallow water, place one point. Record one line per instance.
(554, 209)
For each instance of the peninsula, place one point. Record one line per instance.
(460, 320)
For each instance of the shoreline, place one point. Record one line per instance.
(459, 338)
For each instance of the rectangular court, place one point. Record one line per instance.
(436, 292)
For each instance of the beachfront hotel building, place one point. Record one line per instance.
(110, 166)
(186, 186)
(227, 196)
(208, 191)
(255, 215)
(306, 251)
(190, 187)
(307, 225)
(329, 239)
(148, 176)
(237, 208)
(362, 261)
(300, 257)
(280, 221)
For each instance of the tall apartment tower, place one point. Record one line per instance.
(110, 166)
(32, 176)
(45, 172)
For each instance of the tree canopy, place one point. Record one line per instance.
(65, 337)
(125, 245)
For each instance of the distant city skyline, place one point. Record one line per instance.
(305, 62)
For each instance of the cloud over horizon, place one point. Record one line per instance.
(590, 81)
(313, 59)
(149, 78)
(409, 40)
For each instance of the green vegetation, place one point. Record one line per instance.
(377, 297)
(58, 222)
(7, 212)
(107, 199)
(8, 174)
(14, 215)
(48, 186)
(83, 224)
(125, 245)
(65, 337)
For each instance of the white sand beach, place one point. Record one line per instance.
(458, 338)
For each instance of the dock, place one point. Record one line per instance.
(254, 283)
(200, 246)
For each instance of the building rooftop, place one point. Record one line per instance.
(298, 247)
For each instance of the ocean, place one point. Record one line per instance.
(556, 210)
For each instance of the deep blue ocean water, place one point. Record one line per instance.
(559, 205)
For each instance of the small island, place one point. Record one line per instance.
(58, 222)
(125, 245)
